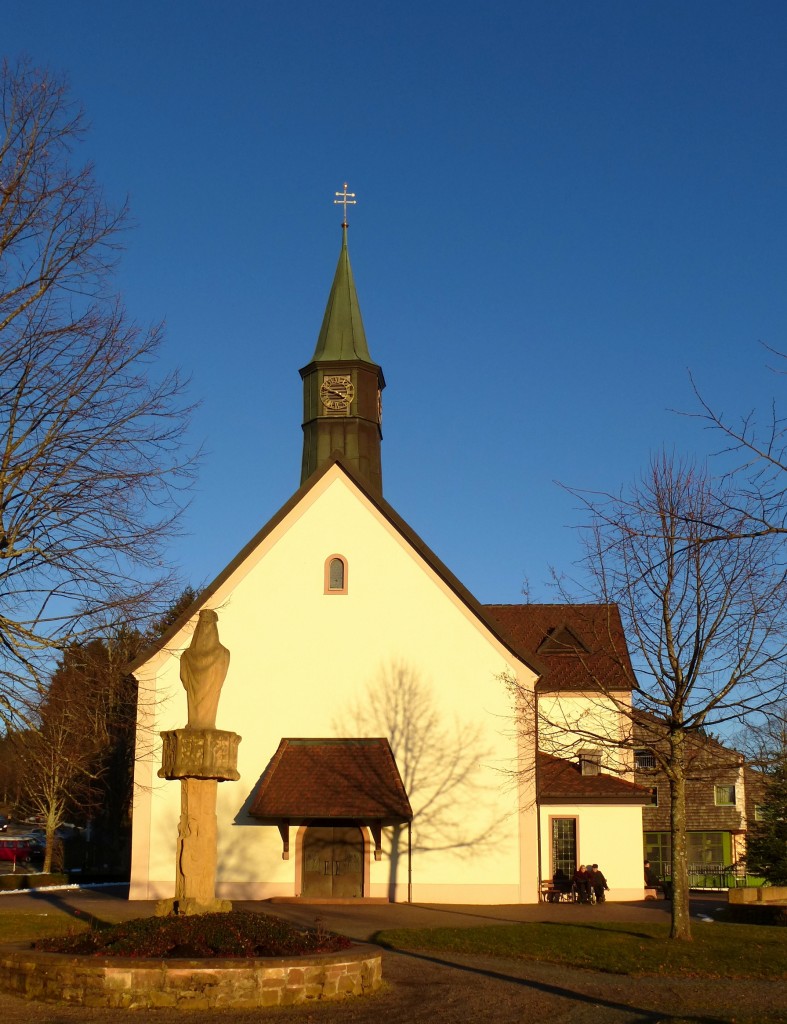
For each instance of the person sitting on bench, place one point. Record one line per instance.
(561, 882)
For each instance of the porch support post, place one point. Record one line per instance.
(284, 832)
(376, 829)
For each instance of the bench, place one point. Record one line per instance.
(551, 894)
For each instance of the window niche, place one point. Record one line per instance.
(335, 575)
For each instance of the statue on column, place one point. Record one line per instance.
(200, 756)
(203, 669)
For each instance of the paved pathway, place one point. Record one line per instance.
(362, 920)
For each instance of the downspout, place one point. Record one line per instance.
(538, 804)
(410, 861)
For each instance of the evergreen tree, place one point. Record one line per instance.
(767, 839)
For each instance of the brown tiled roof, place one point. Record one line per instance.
(581, 646)
(562, 781)
(332, 779)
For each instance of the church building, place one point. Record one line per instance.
(381, 753)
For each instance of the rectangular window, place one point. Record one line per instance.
(654, 796)
(564, 845)
(706, 848)
(590, 762)
(724, 796)
(643, 760)
(657, 851)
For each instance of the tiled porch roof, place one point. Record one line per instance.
(332, 779)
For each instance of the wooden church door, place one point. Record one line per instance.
(332, 862)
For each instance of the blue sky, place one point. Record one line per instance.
(563, 208)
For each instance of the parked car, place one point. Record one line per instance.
(4, 822)
(17, 849)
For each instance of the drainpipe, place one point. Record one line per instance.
(538, 804)
(409, 862)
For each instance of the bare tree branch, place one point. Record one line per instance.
(702, 604)
(92, 462)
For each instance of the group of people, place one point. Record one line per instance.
(586, 879)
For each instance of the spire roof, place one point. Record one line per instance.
(342, 335)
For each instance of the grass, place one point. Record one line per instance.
(28, 927)
(717, 950)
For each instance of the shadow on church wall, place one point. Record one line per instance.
(441, 761)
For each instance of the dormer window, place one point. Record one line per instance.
(590, 762)
(644, 760)
(335, 575)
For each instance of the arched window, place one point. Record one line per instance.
(335, 575)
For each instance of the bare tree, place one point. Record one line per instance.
(704, 620)
(763, 738)
(754, 448)
(438, 760)
(75, 759)
(91, 440)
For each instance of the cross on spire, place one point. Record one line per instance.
(344, 199)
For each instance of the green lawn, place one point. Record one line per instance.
(24, 927)
(717, 950)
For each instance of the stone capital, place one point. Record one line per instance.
(200, 754)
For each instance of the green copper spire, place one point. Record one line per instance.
(342, 387)
(342, 335)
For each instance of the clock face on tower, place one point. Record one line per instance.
(337, 393)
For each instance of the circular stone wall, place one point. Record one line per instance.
(132, 983)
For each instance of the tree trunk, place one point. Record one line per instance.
(49, 849)
(681, 923)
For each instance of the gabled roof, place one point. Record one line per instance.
(581, 646)
(561, 781)
(332, 779)
(489, 621)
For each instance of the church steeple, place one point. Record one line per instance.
(341, 384)
(342, 335)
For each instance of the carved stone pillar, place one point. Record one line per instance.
(200, 756)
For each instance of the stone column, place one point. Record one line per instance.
(200, 756)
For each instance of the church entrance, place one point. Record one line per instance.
(332, 862)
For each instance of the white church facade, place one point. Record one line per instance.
(380, 756)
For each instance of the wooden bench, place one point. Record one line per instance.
(551, 894)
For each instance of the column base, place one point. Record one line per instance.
(187, 906)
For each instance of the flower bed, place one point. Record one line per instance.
(240, 933)
(241, 960)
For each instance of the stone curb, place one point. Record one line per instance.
(131, 983)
